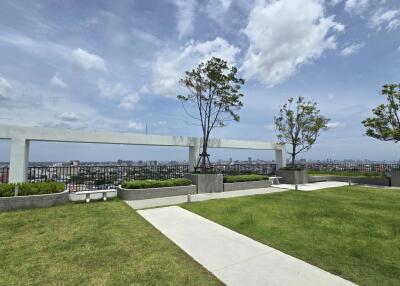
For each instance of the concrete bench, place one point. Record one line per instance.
(275, 180)
(87, 193)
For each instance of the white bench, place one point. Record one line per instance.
(275, 180)
(87, 193)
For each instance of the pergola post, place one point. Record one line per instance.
(280, 158)
(194, 152)
(19, 159)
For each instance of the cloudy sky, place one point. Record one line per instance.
(115, 66)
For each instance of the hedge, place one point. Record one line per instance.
(26, 189)
(146, 184)
(244, 178)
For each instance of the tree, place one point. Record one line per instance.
(299, 126)
(214, 95)
(385, 125)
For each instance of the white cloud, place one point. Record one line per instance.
(111, 91)
(170, 65)
(56, 81)
(388, 19)
(117, 91)
(185, 14)
(356, 6)
(69, 116)
(336, 124)
(83, 60)
(335, 2)
(282, 38)
(135, 125)
(5, 88)
(351, 49)
(216, 9)
(129, 101)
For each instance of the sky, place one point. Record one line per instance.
(115, 66)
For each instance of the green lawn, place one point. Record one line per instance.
(104, 243)
(353, 232)
(344, 174)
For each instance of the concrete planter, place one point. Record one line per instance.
(395, 177)
(247, 185)
(293, 176)
(356, 180)
(207, 183)
(151, 193)
(34, 201)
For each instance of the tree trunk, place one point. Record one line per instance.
(293, 154)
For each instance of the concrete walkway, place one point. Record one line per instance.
(313, 186)
(234, 258)
(176, 200)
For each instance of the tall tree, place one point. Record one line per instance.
(215, 98)
(299, 126)
(385, 125)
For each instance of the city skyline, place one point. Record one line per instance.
(115, 67)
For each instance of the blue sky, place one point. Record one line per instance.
(115, 66)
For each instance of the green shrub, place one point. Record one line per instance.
(145, 184)
(7, 190)
(292, 168)
(26, 189)
(244, 178)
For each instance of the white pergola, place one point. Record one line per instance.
(21, 137)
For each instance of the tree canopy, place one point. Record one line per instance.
(214, 95)
(300, 125)
(385, 125)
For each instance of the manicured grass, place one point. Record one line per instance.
(353, 232)
(244, 178)
(344, 174)
(101, 243)
(146, 184)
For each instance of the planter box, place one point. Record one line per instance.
(395, 178)
(207, 183)
(247, 185)
(356, 180)
(293, 176)
(151, 193)
(34, 201)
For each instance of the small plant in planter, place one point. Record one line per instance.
(298, 126)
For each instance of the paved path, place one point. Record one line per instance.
(234, 258)
(168, 201)
(313, 186)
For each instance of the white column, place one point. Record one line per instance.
(19, 158)
(194, 152)
(280, 158)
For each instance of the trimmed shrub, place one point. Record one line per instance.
(146, 184)
(27, 189)
(244, 178)
(292, 168)
(7, 190)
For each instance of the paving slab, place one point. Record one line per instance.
(312, 186)
(176, 200)
(234, 258)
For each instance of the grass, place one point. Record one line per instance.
(353, 232)
(101, 243)
(345, 174)
(244, 178)
(146, 184)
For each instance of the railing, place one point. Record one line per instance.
(4, 175)
(373, 169)
(239, 169)
(79, 178)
